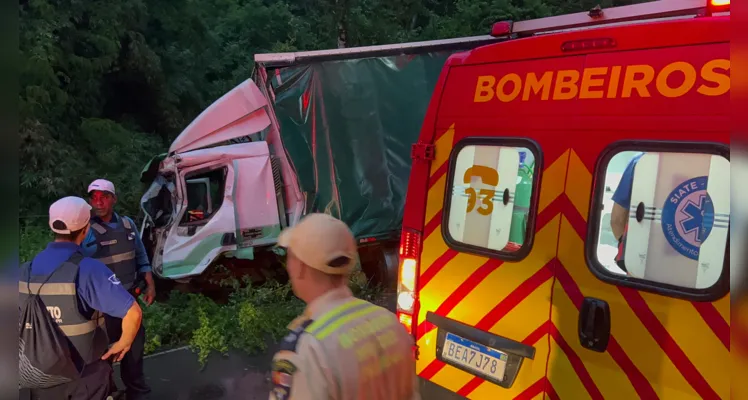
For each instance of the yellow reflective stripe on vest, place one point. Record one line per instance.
(118, 258)
(98, 228)
(49, 289)
(344, 319)
(79, 329)
(334, 313)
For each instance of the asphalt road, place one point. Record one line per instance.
(177, 376)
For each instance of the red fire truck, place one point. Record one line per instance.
(566, 228)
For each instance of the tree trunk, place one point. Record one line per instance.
(342, 23)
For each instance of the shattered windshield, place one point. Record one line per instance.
(158, 201)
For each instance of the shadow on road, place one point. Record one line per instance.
(177, 375)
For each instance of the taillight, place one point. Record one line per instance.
(501, 28)
(717, 6)
(407, 296)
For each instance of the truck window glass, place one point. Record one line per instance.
(664, 217)
(490, 198)
(157, 202)
(204, 195)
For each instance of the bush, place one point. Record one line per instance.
(253, 316)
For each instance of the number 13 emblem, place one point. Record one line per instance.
(488, 176)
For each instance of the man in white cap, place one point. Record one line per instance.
(341, 347)
(113, 239)
(77, 289)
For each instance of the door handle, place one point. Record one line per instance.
(594, 324)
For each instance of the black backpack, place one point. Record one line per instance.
(44, 356)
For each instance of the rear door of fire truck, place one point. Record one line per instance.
(647, 316)
(508, 276)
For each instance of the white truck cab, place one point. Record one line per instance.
(225, 187)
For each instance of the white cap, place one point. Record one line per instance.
(69, 214)
(102, 185)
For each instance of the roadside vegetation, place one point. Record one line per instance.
(252, 317)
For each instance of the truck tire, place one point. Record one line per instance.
(380, 265)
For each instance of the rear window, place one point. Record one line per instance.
(491, 197)
(662, 218)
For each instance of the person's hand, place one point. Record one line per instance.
(150, 294)
(118, 350)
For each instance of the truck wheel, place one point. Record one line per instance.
(380, 265)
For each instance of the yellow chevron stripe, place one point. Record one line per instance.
(442, 148)
(554, 178)
(427, 350)
(562, 377)
(503, 281)
(435, 200)
(628, 330)
(448, 280)
(602, 368)
(723, 307)
(518, 324)
(433, 247)
(578, 184)
(695, 338)
(532, 370)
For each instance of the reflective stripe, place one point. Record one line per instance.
(323, 321)
(98, 228)
(344, 319)
(79, 329)
(48, 289)
(118, 258)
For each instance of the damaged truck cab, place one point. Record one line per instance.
(319, 131)
(220, 188)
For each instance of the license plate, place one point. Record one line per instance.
(475, 357)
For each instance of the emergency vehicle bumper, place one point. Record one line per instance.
(430, 390)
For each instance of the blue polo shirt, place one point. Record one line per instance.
(90, 246)
(622, 195)
(97, 287)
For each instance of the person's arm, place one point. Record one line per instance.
(144, 267)
(622, 201)
(295, 374)
(100, 289)
(130, 327)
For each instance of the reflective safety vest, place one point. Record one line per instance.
(116, 249)
(59, 294)
(351, 349)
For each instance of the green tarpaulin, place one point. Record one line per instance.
(348, 127)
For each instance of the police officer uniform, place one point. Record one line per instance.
(341, 347)
(117, 245)
(77, 292)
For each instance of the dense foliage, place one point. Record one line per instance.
(252, 317)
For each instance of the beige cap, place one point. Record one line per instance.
(101, 185)
(69, 214)
(322, 242)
